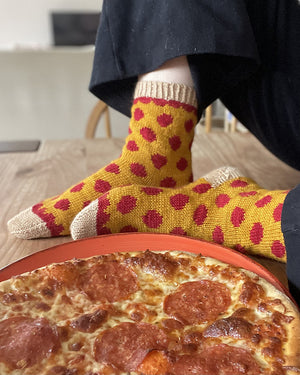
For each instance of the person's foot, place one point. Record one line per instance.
(156, 153)
(221, 207)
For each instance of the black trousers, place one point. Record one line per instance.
(244, 52)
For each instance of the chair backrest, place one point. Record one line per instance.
(99, 109)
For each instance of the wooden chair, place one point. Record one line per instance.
(229, 125)
(94, 118)
(208, 119)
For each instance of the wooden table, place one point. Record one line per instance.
(26, 178)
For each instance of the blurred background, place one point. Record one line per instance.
(46, 56)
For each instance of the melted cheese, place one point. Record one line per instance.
(35, 291)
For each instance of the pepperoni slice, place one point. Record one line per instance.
(197, 302)
(65, 273)
(218, 360)
(109, 281)
(126, 345)
(25, 341)
(231, 326)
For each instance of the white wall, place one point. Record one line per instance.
(26, 23)
(44, 91)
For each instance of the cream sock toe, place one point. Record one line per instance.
(85, 223)
(27, 225)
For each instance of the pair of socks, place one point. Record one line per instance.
(149, 187)
(156, 152)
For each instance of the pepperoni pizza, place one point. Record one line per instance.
(152, 313)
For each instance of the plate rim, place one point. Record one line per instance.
(9, 270)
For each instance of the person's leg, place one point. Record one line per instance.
(268, 104)
(220, 207)
(136, 37)
(290, 224)
(156, 152)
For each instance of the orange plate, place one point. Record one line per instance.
(135, 242)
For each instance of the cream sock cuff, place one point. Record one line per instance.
(168, 91)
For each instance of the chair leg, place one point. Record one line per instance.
(94, 118)
(107, 123)
(233, 125)
(208, 119)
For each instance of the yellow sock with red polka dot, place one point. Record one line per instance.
(156, 152)
(221, 207)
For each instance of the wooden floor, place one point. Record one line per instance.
(28, 177)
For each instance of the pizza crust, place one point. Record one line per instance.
(158, 276)
(293, 329)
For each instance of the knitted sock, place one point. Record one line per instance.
(221, 207)
(156, 153)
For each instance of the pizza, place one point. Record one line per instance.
(154, 313)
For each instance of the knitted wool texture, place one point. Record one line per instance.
(237, 214)
(156, 152)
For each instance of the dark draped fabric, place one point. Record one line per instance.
(245, 52)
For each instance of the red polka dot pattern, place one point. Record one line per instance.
(278, 249)
(126, 204)
(164, 120)
(151, 190)
(132, 146)
(77, 187)
(222, 200)
(113, 168)
(240, 248)
(277, 212)
(179, 231)
(189, 126)
(201, 188)
(182, 164)
(179, 201)
(256, 233)
(218, 235)
(200, 214)
(159, 161)
(62, 204)
(175, 142)
(138, 114)
(168, 182)
(152, 219)
(148, 134)
(247, 193)
(237, 216)
(102, 186)
(239, 183)
(138, 170)
(263, 201)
